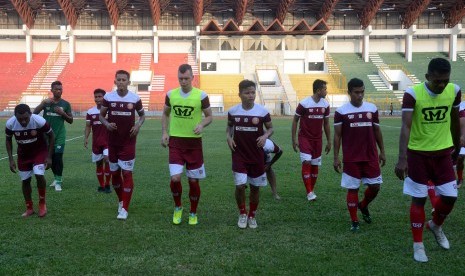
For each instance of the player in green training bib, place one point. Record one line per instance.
(56, 112)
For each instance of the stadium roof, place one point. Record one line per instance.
(452, 10)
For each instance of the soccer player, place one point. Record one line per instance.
(429, 133)
(272, 153)
(313, 114)
(246, 137)
(356, 124)
(34, 156)
(183, 110)
(121, 106)
(99, 142)
(57, 111)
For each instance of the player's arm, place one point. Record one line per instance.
(135, 129)
(327, 131)
(295, 143)
(205, 121)
(455, 127)
(275, 158)
(101, 117)
(230, 135)
(165, 138)
(41, 106)
(269, 131)
(401, 166)
(9, 150)
(87, 131)
(51, 147)
(380, 143)
(337, 145)
(462, 131)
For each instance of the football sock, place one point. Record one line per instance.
(253, 209)
(370, 194)
(99, 173)
(306, 172)
(442, 209)
(128, 187)
(432, 194)
(194, 194)
(107, 174)
(29, 205)
(176, 191)
(41, 195)
(417, 221)
(352, 203)
(117, 183)
(313, 176)
(242, 209)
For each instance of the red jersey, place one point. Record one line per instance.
(30, 139)
(248, 126)
(358, 136)
(122, 111)
(311, 116)
(99, 131)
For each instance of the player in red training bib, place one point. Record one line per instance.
(99, 142)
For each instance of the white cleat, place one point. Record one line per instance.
(252, 222)
(120, 206)
(57, 187)
(438, 234)
(123, 214)
(419, 253)
(53, 183)
(242, 222)
(311, 196)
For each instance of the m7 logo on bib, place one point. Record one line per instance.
(434, 113)
(184, 111)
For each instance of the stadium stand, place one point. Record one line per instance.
(226, 85)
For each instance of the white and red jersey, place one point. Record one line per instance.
(358, 136)
(462, 110)
(30, 139)
(122, 112)
(311, 116)
(99, 131)
(248, 126)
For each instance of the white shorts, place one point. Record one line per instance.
(350, 182)
(462, 151)
(98, 157)
(415, 189)
(308, 157)
(36, 170)
(124, 165)
(196, 173)
(242, 178)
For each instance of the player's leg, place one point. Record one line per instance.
(195, 170)
(115, 170)
(27, 193)
(57, 166)
(317, 147)
(271, 177)
(100, 175)
(240, 181)
(176, 167)
(257, 178)
(41, 184)
(371, 177)
(126, 161)
(351, 177)
(106, 170)
(459, 167)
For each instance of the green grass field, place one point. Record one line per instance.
(81, 236)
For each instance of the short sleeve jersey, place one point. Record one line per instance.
(99, 131)
(311, 118)
(30, 139)
(248, 126)
(358, 136)
(122, 112)
(56, 121)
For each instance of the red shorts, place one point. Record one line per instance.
(192, 158)
(27, 162)
(422, 168)
(359, 170)
(312, 147)
(121, 152)
(252, 170)
(98, 148)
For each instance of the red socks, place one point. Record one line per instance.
(242, 209)
(117, 182)
(352, 203)
(306, 176)
(99, 173)
(107, 174)
(194, 194)
(432, 194)
(128, 187)
(176, 191)
(313, 176)
(417, 221)
(253, 209)
(370, 194)
(41, 195)
(441, 211)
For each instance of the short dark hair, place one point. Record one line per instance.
(355, 82)
(22, 108)
(184, 67)
(99, 91)
(246, 84)
(439, 65)
(122, 72)
(55, 83)
(318, 84)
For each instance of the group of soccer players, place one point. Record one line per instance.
(430, 134)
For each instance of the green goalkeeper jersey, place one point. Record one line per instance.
(56, 121)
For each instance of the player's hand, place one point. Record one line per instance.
(328, 147)
(231, 143)
(382, 159)
(49, 163)
(198, 129)
(111, 126)
(295, 145)
(12, 166)
(261, 141)
(165, 139)
(85, 143)
(401, 168)
(267, 166)
(337, 165)
(134, 130)
(47, 101)
(59, 110)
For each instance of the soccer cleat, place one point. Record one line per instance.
(438, 234)
(107, 190)
(277, 197)
(123, 215)
(28, 213)
(120, 206)
(193, 219)
(53, 183)
(365, 213)
(177, 215)
(100, 189)
(252, 222)
(242, 222)
(57, 187)
(311, 196)
(419, 253)
(355, 226)
(42, 210)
